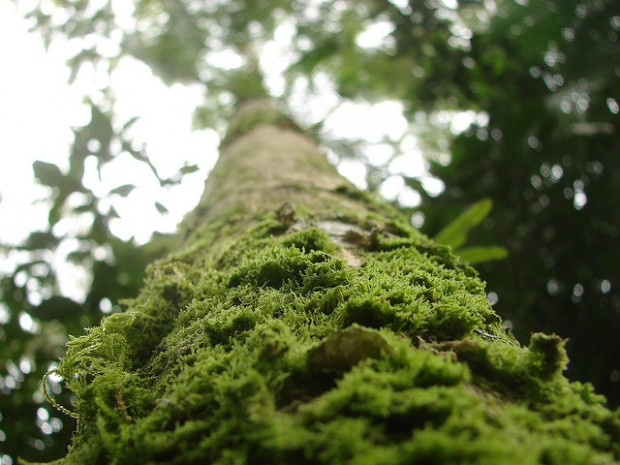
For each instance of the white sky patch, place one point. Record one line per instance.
(379, 154)
(452, 4)
(434, 186)
(38, 109)
(73, 279)
(410, 164)
(225, 59)
(371, 122)
(5, 314)
(272, 66)
(409, 197)
(27, 323)
(165, 128)
(375, 35)
(355, 171)
(312, 101)
(402, 5)
(461, 121)
(391, 187)
(276, 55)
(36, 112)
(123, 14)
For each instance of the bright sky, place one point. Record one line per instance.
(38, 108)
(37, 111)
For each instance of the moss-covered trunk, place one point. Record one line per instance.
(304, 322)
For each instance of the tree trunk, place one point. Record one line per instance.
(302, 321)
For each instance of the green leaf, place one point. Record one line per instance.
(485, 253)
(160, 208)
(48, 174)
(87, 207)
(455, 233)
(414, 183)
(38, 240)
(123, 190)
(130, 122)
(188, 169)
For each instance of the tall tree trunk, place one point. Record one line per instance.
(266, 162)
(302, 321)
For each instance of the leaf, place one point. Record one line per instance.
(87, 207)
(130, 122)
(455, 233)
(48, 174)
(188, 169)
(160, 208)
(79, 256)
(41, 240)
(100, 128)
(414, 183)
(123, 190)
(138, 155)
(27, 266)
(479, 254)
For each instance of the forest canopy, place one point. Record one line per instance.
(528, 184)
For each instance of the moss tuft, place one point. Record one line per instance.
(548, 355)
(345, 349)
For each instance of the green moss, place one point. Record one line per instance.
(271, 349)
(310, 239)
(548, 354)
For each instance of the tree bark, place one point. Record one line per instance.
(302, 321)
(266, 162)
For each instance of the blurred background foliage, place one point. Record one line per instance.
(531, 181)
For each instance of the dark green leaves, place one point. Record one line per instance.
(188, 169)
(48, 174)
(41, 240)
(161, 208)
(123, 190)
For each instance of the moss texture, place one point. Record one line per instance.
(274, 350)
(314, 338)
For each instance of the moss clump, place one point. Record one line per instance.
(274, 350)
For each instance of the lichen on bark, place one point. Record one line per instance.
(260, 342)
